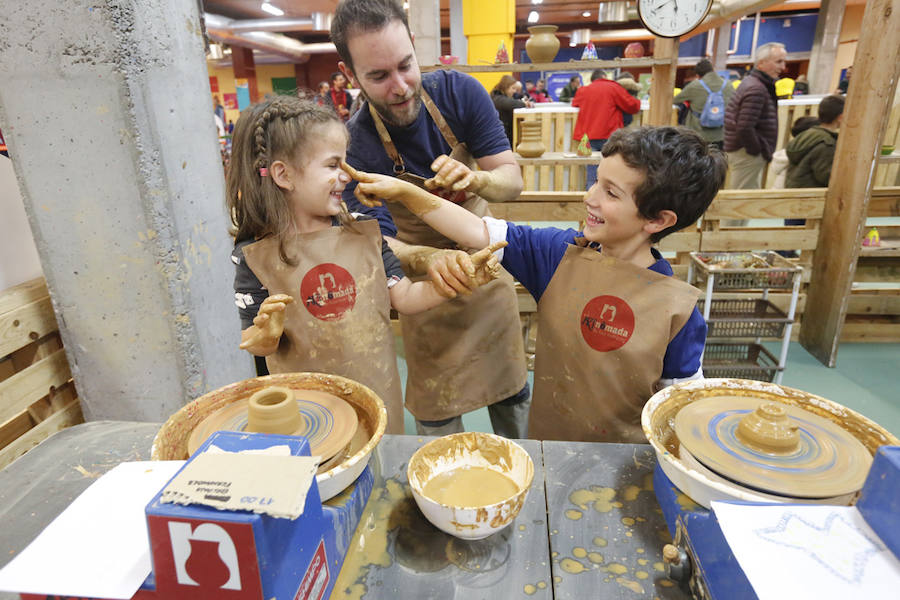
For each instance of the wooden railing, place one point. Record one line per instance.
(37, 394)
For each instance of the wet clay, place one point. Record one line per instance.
(470, 486)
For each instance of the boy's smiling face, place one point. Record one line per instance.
(612, 213)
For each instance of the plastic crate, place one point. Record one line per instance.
(741, 361)
(752, 317)
(733, 270)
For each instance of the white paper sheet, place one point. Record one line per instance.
(98, 546)
(805, 551)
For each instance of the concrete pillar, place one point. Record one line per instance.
(425, 24)
(720, 48)
(458, 44)
(244, 67)
(106, 107)
(825, 46)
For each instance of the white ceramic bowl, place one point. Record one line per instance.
(702, 485)
(171, 442)
(470, 449)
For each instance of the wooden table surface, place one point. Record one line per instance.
(558, 158)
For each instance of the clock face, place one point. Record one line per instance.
(672, 18)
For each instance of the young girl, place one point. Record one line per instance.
(313, 285)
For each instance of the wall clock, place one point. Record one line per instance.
(672, 18)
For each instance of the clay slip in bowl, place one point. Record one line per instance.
(470, 449)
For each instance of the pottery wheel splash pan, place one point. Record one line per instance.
(171, 443)
(327, 421)
(805, 456)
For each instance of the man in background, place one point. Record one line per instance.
(751, 119)
(600, 107)
(338, 97)
(568, 92)
(695, 95)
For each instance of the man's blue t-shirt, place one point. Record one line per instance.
(469, 112)
(532, 257)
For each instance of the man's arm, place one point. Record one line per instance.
(499, 180)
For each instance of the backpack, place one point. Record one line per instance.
(713, 114)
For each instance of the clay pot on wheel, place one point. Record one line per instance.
(530, 143)
(273, 410)
(543, 44)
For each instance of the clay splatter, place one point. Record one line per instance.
(573, 514)
(579, 552)
(617, 568)
(598, 497)
(599, 541)
(572, 566)
(595, 557)
(632, 585)
(627, 521)
(529, 589)
(641, 574)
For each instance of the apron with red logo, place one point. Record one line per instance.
(468, 352)
(339, 322)
(603, 329)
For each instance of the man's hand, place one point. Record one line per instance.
(487, 266)
(373, 187)
(450, 174)
(269, 322)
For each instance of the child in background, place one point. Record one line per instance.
(779, 157)
(314, 286)
(614, 326)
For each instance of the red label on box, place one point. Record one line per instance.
(200, 559)
(317, 576)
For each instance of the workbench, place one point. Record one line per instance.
(589, 528)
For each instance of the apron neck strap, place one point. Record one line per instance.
(388, 143)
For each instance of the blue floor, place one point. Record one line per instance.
(866, 379)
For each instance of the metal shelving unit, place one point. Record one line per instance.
(740, 320)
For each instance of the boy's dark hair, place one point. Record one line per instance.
(682, 172)
(802, 124)
(830, 108)
(352, 17)
(335, 75)
(703, 67)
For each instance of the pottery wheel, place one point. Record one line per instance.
(826, 460)
(328, 422)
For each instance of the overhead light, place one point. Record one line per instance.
(536, 2)
(406, 6)
(586, 13)
(612, 12)
(272, 9)
(533, 16)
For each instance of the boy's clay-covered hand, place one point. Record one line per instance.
(450, 174)
(269, 322)
(487, 266)
(374, 187)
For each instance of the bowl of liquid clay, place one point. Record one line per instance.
(471, 484)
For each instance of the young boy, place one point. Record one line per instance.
(614, 326)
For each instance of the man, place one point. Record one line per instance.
(844, 83)
(695, 94)
(540, 93)
(338, 97)
(568, 92)
(751, 119)
(600, 107)
(468, 353)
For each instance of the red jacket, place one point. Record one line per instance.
(600, 109)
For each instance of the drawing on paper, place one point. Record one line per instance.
(838, 545)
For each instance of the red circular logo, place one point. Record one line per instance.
(607, 323)
(328, 291)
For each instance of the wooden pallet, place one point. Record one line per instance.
(37, 394)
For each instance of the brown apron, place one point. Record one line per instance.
(339, 322)
(467, 352)
(603, 329)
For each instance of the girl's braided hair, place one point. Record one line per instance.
(275, 129)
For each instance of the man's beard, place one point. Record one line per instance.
(390, 116)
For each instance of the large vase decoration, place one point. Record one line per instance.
(543, 44)
(530, 143)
